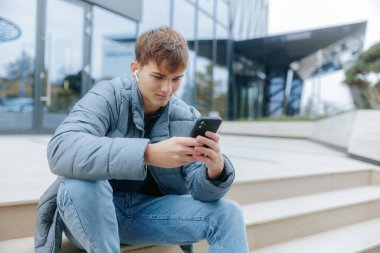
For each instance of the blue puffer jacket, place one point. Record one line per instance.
(101, 139)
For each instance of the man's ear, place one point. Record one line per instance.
(134, 67)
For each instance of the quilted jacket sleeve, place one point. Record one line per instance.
(80, 148)
(202, 188)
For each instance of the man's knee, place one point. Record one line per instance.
(229, 212)
(82, 190)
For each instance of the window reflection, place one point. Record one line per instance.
(220, 73)
(204, 66)
(17, 44)
(63, 59)
(186, 11)
(222, 12)
(113, 43)
(207, 5)
(155, 14)
(221, 32)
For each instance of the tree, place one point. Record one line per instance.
(19, 76)
(210, 95)
(204, 90)
(363, 78)
(21, 68)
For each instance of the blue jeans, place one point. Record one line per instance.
(97, 220)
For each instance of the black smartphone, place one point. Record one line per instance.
(204, 124)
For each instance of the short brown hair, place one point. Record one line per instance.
(163, 45)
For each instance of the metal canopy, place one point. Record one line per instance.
(282, 50)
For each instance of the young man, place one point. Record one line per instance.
(129, 171)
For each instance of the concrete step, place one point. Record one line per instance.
(279, 221)
(361, 237)
(253, 191)
(17, 218)
(272, 222)
(26, 245)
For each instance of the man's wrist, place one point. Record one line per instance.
(216, 176)
(148, 154)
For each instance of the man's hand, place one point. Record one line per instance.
(210, 155)
(171, 153)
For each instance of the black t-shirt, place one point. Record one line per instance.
(148, 186)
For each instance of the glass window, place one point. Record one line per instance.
(207, 5)
(183, 10)
(154, 14)
(220, 75)
(113, 45)
(205, 24)
(220, 89)
(222, 12)
(221, 32)
(204, 66)
(17, 47)
(63, 60)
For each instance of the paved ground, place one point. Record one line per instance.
(24, 172)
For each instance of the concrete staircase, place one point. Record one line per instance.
(323, 212)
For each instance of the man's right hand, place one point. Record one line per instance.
(171, 153)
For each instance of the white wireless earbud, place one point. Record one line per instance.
(136, 76)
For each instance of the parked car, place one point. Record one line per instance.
(17, 105)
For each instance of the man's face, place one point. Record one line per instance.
(157, 85)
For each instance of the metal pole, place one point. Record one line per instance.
(214, 52)
(88, 30)
(39, 72)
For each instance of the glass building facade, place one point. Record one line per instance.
(64, 46)
(53, 51)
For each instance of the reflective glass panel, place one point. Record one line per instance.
(222, 12)
(154, 14)
(207, 5)
(17, 63)
(113, 45)
(63, 60)
(220, 74)
(204, 67)
(184, 10)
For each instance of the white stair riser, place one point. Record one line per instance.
(17, 221)
(199, 247)
(261, 191)
(374, 249)
(375, 177)
(157, 249)
(265, 234)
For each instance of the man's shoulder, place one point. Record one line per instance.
(115, 83)
(180, 111)
(112, 88)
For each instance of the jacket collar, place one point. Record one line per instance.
(160, 130)
(137, 106)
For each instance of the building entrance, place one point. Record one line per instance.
(63, 60)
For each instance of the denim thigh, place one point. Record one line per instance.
(171, 219)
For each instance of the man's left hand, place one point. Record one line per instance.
(209, 152)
